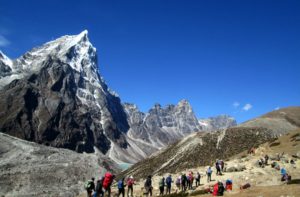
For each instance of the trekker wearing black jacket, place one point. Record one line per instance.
(148, 186)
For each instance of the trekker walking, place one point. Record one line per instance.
(108, 179)
(121, 187)
(90, 186)
(222, 165)
(169, 183)
(183, 182)
(148, 186)
(218, 168)
(98, 190)
(130, 183)
(198, 176)
(162, 186)
(178, 183)
(209, 172)
(190, 180)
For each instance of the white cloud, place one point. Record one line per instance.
(277, 108)
(247, 107)
(3, 41)
(236, 104)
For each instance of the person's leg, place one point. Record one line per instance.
(108, 192)
(131, 190)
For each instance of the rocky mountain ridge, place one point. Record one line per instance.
(217, 122)
(203, 148)
(279, 121)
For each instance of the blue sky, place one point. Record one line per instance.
(240, 58)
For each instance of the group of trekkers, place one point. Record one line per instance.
(103, 185)
(263, 161)
(183, 183)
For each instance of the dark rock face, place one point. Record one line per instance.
(59, 99)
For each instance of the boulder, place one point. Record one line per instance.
(236, 168)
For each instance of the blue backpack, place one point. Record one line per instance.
(169, 180)
(120, 184)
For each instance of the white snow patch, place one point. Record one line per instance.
(6, 60)
(220, 137)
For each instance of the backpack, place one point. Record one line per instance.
(130, 182)
(120, 184)
(108, 179)
(168, 180)
(88, 184)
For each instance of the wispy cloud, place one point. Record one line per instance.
(3, 41)
(247, 107)
(277, 108)
(236, 104)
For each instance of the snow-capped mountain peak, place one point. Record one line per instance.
(70, 49)
(74, 50)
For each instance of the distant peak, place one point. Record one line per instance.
(83, 35)
(183, 102)
(157, 106)
(84, 32)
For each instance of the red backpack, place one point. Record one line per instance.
(108, 179)
(130, 182)
(215, 190)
